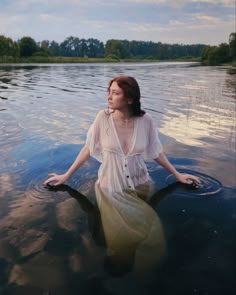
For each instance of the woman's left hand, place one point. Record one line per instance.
(188, 178)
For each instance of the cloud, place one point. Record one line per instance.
(149, 20)
(210, 20)
(182, 2)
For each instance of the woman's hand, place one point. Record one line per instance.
(188, 178)
(182, 177)
(56, 179)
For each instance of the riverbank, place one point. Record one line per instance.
(64, 59)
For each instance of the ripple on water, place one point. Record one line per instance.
(208, 185)
(37, 190)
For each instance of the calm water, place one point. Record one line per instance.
(50, 242)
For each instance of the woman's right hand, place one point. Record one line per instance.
(56, 179)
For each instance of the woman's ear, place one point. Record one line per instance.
(130, 101)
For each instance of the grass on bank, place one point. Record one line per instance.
(63, 59)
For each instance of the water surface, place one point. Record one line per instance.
(49, 240)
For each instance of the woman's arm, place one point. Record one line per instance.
(82, 157)
(182, 177)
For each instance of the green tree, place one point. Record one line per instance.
(73, 46)
(151, 50)
(8, 47)
(27, 46)
(70, 47)
(95, 48)
(44, 49)
(205, 53)
(3, 46)
(214, 55)
(54, 48)
(232, 45)
(223, 53)
(115, 48)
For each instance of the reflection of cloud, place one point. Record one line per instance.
(33, 241)
(185, 131)
(42, 271)
(191, 128)
(11, 134)
(215, 163)
(21, 214)
(7, 184)
(17, 224)
(203, 109)
(68, 213)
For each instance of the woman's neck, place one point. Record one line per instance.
(122, 115)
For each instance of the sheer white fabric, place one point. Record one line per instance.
(133, 231)
(118, 170)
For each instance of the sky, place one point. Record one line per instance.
(168, 21)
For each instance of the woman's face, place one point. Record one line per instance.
(116, 98)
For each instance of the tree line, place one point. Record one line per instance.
(214, 55)
(115, 49)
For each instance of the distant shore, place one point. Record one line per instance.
(63, 59)
(40, 60)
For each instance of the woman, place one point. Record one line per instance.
(122, 139)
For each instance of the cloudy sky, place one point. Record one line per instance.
(167, 21)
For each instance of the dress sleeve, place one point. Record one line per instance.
(93, 138)
(154, 146)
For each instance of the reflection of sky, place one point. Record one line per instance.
(193, 127)
(60, 102)
(62, 111)
(203, 109)
(49, 108)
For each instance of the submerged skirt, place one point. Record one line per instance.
(133, 231)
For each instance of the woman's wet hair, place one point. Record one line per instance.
(131, 90)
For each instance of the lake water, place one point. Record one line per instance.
(50, 241)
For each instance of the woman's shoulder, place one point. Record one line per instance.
(101, 114)
(147, 118)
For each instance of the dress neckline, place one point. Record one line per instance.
(133, 137)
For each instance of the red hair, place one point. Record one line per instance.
(131, 89)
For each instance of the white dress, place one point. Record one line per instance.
(132, 229)
(118, 170)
